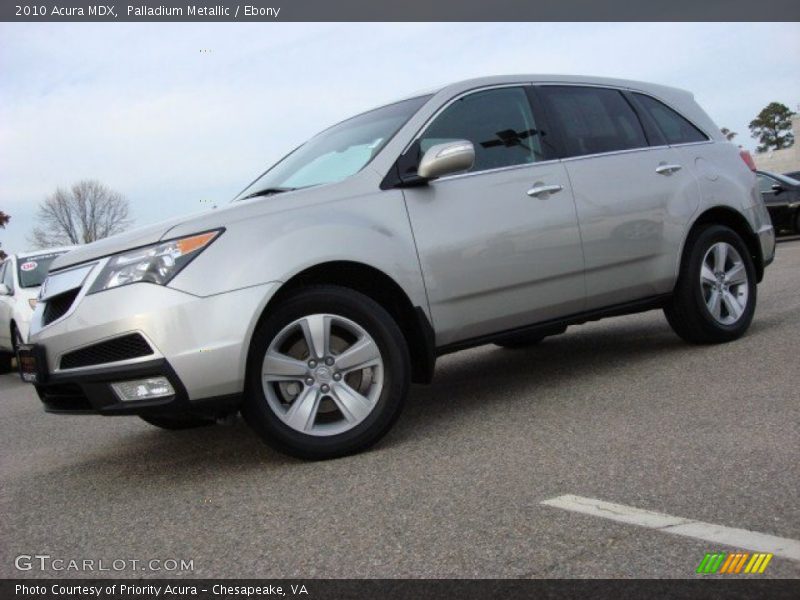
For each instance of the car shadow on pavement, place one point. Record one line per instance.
(471, 381)
(491, 374)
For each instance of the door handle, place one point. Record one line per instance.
(667, 169)
(538, 190)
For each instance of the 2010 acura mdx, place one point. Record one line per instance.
(499, 210)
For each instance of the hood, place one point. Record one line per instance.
(141, 236)
(242, 210)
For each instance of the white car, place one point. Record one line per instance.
(21, 275)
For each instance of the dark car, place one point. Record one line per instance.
(793, 175)
(782, 197)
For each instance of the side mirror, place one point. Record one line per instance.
(443, 159)
(777, 188)
(4, 291)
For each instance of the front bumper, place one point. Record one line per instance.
(90, 392)
(199, 343)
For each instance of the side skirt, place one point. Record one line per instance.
(547, 327)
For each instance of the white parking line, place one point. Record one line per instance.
(729, 536)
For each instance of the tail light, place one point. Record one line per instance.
(748, 159)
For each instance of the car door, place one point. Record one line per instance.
(633, 200)
(6, 305)
(497, 249)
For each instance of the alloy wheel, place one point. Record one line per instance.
(322, 374)
(724, 283)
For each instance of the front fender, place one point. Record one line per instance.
(370, 228)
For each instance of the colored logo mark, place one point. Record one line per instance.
(734, 563)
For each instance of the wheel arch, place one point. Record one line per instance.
(730, 217)
(381, 288)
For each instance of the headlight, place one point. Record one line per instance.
(158, 263)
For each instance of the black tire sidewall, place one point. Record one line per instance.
(712, 327)
(396, 373)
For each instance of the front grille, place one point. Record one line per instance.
(64, 397)
(121, 348)
(57, 306)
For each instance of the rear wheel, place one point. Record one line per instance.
(715, 297)
(328, 374)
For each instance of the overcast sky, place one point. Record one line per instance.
(141, 108)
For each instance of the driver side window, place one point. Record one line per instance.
(498, 122)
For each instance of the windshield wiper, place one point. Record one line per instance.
(269, 192)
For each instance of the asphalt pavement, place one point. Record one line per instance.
(620, 411)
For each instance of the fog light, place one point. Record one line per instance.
(143, 389)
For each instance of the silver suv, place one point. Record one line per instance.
(498, 210)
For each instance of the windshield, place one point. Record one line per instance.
(31, 270)
(337, 152)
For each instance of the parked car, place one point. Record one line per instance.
(793, 174)
(782, 197)
(501, 209)
(20, 278)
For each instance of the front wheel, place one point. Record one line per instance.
(715, 297)
(327, 375)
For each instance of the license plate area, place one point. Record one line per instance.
(31, 363)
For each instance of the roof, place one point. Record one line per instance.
(466, 84)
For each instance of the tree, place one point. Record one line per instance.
(88, 211)
(4, 219)
(729, 135)
(772, 127)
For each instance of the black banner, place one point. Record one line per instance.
(404, 10)
(388, 589)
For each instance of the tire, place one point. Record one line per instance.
(16, 338)
(177, 422)
(797, 222)
(307, 407)
(5, 362)
(8, 359)
(526, 340)
(689, 312)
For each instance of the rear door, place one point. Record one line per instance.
(497, 250)
(633, 199)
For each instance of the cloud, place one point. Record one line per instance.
(173, 114)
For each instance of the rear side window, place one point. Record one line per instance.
(498, 122)
(675, 128)
(593, 120)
